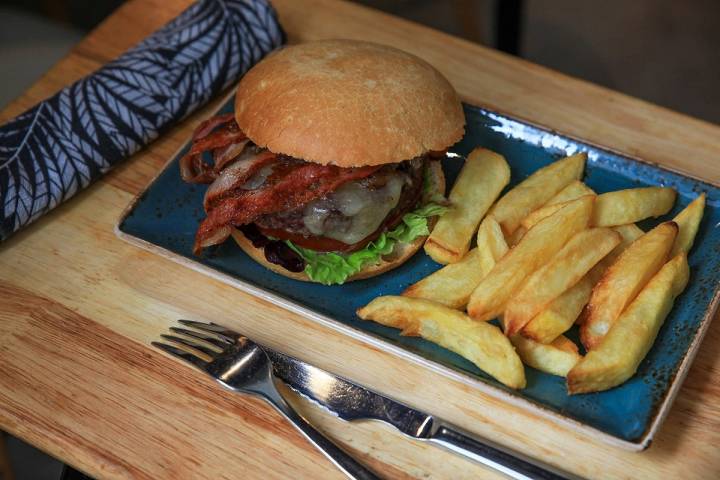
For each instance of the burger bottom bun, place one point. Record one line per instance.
(400, 254)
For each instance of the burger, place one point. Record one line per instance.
(328, 170)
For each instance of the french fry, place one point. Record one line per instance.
(491, 244)
(535, 191)
(616, 359)
(575, 190)
(688, 222)
(480, 182)
(556, 358)
(623, 280)
(453, 284)
(632, 205)
(538, 245)
(516, 236)
(528, 222)
(629, 234)
(562, 312)
(566, 268)
(482, 343)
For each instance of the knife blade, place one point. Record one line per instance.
(350, 401)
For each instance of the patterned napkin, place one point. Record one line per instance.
(66, 142)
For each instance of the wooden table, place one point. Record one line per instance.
(78, 306)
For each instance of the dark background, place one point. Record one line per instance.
(663, 51)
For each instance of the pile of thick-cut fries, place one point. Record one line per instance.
(549, 253)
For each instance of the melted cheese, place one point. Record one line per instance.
(363, 210)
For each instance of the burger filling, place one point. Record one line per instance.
(325, 220)
(348, 218)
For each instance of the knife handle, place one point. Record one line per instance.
(493, 457)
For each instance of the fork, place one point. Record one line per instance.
(241, 365)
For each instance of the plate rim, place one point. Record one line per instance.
(657, 418)
(595, 145)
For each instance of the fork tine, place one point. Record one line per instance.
(182, 354)
(191, 344)
(211, 338)
(222, 332)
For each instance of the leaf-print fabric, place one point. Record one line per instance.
(66, 142)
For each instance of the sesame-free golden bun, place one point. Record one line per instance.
(348, 103)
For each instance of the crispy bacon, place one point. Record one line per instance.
(194, 170)
(225, 155)
(292, 183)
(210, 124)
(294, 188)
(219, 134)
(225, 135)
(235, 175)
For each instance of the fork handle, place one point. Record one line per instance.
(347, 464)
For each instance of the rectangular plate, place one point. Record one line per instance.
(164, 218)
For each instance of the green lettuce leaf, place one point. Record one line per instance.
(334, 268)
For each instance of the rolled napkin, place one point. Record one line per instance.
(66, 142)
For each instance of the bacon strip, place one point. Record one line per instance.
(235, 175)
(289, 191)
(220, 134)
(224, 155)
(194, 170)
(210, 124)
(229, 133)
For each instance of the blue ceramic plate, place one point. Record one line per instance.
(167, 214)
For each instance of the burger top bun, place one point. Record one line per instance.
(348, 103)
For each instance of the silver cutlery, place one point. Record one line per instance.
(241, 365)
(350, 401)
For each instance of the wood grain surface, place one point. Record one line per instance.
(78, 306)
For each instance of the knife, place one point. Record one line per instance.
(350, 401)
